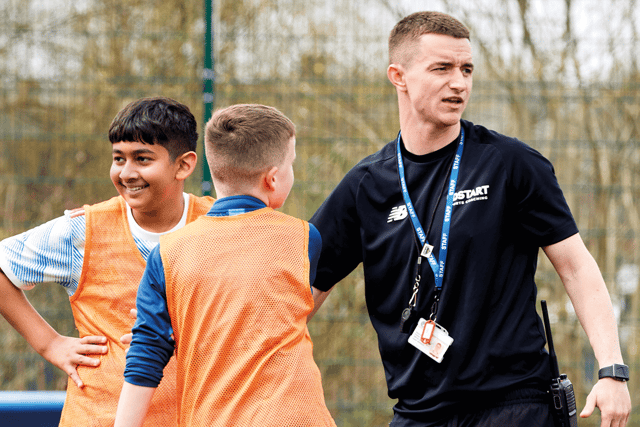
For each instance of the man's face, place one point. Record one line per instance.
(438, 79)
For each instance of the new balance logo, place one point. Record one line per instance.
(397, 213)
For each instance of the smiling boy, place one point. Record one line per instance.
(98, 254)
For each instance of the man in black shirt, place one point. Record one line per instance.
(447, 220)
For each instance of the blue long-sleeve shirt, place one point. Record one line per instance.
(153, 343)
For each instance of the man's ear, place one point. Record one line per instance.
(186, 165)
(395, 73)
(269, 180)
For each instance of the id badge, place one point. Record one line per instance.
(431, 339)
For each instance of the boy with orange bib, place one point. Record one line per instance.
(230, 292)
(98, 253)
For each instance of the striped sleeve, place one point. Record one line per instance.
(51, 252)
(144, 246)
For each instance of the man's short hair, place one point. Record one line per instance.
(407, 32)
(245, 140)
(157, 120)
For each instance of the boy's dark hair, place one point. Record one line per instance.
(410, 28)
(157, 120)
(244, 140)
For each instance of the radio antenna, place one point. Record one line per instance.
(555, 370)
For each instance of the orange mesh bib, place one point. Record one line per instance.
(113, 267)
(238, 295)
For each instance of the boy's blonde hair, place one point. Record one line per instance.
(244, 140)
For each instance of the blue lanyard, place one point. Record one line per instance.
(438, 268)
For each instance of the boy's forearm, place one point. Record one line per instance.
(66, 353)
(18, 311)
(133, 405)
(318, 299)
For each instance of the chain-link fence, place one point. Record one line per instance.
(67, 67)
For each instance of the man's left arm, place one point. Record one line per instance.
(585, 286)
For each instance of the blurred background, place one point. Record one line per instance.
(561, 75)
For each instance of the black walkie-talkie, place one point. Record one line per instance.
(563, 399)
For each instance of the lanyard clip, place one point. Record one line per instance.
(414, 296)
(434, 306)
(416, 285)
(409, 314)
(426, 250)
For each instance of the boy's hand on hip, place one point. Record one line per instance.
(67, 353)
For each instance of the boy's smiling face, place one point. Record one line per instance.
(145, 176)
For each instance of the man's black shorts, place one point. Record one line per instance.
(519, 408)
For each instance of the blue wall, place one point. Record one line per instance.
(31, 408)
